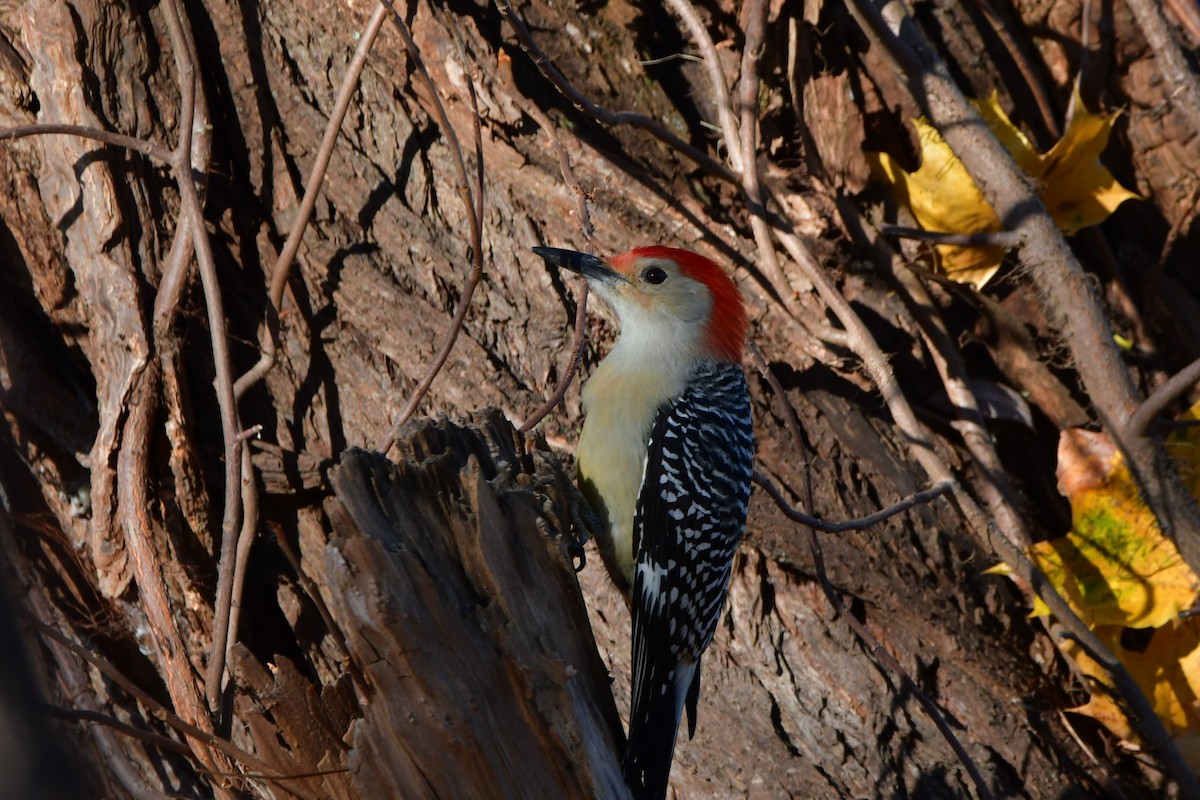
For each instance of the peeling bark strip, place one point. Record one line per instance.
(466, 621)
(78, 189)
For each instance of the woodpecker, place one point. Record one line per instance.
(666, 458)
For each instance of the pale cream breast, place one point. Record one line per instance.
(620, 406)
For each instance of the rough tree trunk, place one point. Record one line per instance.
(422, 634)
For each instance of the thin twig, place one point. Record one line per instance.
(742, 144)
(133, 494)
(316, 177)
(474, 221)
(156, 740)
(996, 491)
(1185, 14)
(1006, 239)
(155, 151)
(235, 549)
(584, 217)
(716, 79)
(193, 210)
(194, 152)
(241, 559)
(914, 499)
(873, 646)
(746, 140)
(250, 433)
(144, 388)
(560, 391)
(451, 22)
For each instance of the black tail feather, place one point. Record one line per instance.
(651, 750)
(653, 726)
(693, 697)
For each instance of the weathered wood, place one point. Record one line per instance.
(340, 617)
(466, 621)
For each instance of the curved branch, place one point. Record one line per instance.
(316, 177)
(474, 220)
(1140, 421)
(874, 647)
(716, 79)
(560, 391)
(914, 499)
(155, 151)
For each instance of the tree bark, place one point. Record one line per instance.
(410, 625)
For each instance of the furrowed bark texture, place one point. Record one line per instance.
(411, 626)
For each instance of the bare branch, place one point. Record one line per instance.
(585, 227)
(474, 221)
(316, 176)
(560, 391)
(746, 139)
(1006, 239)
(716, 79)
(155, 151)
(193, 215)
(874, 648)
(241, 558)
(914, 499)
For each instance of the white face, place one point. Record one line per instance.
(656, 299)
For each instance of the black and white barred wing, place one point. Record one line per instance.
(689, 520)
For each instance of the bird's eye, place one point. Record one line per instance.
(655, 275)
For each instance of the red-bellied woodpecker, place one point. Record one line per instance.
(666, 458)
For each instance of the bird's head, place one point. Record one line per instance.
(665, 294)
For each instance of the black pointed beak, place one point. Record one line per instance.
(582, 263)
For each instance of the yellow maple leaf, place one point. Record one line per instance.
(1117, 571)
(943, 198)
(1167, 671)
(1077, 189)
(1115, 567)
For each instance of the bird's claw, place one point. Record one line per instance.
(578, 554)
